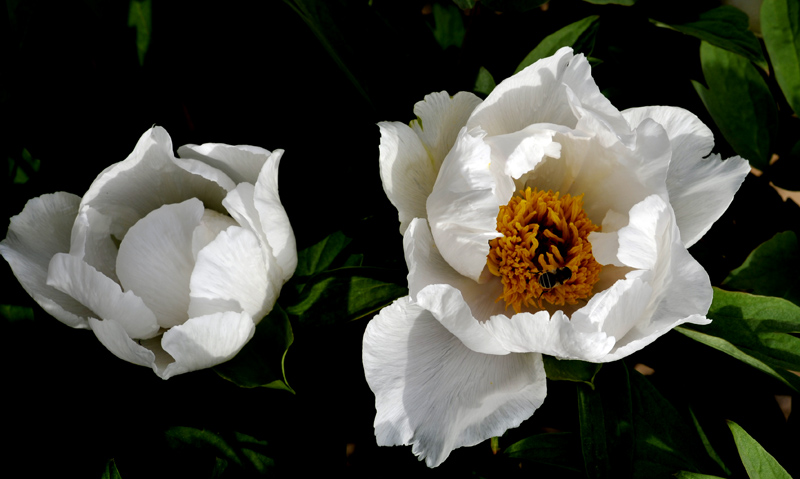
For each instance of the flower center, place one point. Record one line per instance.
(544, 253)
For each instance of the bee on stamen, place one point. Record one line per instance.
(551, 279)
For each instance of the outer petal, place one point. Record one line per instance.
(34, 236)
(274, 221)
(114, 337)
(206, 341)
(435, 393)
(700, 189)
(241, 163)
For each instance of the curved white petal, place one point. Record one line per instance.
(241, 163)
(102, 296)
(40, 231)
(520, 152)
(206, 171)
(436, 394)
(463, 207)
(113, 336)
(155, 260)
(93, 242)
(274, 220)
(441, 117)
(211, 225)
(206, 341)
(231, 274)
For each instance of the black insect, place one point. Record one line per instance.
(551, 279)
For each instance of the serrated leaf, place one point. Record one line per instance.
(758, 463)
(485, 82)
(771, 269)
(449, 27)
(111, 471)
(244, 451)
(261, 362)
(780, 26)
(140, 17)
(570, 370)
(579, 35)
(559, 449)
(320, 256)
(725, 27)
(740, 103)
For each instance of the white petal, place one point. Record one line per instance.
(441, 117)
(211, 225)
(206, 341)
(433, 392)
(155, 260)
(407, 171)
(101, 295)
(93, 242)
(641, 242)
(232, 271)
(113, 336)
(462, 209)
(34, 236)
(273, 216)
(523, 150)
(241, 163)
(558, 89)
(206, 171)
(148, 178)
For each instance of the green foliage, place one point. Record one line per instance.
(579, 35)
(771, 269)
(513, 5)
(740, 103)
(759, 463)
(16, 313)
(780, 26)
(140, 17)
(712, 453)
(261, 362)
(560, 449)
(465, 4)
(724, 27)
(20, 171)
(449, 29)
(241, 451)
(694, 475)
(485, 82)
(756, 330)
(318, 257)
(570, 370)
(111, 471)
(626, 3)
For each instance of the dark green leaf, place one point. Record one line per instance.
(570, 370)
(484, 83)
(759, 463)
(21, 171)
(694, 475)
(318, 257)
(780, 26)
(140, 17)
(244, 451)
(261, 362)
(725, 27)
(560, 449)
(627, 3)
(579, 35)
(707, 445)
(111, 471)
(755, 330)
(465, 4)
(593, 433)
(740, 103)
(771, 269)
(16, 313)
(449, 29)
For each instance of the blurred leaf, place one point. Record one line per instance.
(465, 4)
(758, 462)
(16, 313)
(140, 17)
(513, 5)
(560, 449)
(707, 445)
(740, 103)
(449, 29)
(570, 370)
(260, 363)
(771, 269)
(612, 2)
(111, 471)
(579, 35)
(19, 172)
(755, 330)
(246, 452)
(346, 294)
(694, 475)
(484, 83)
(318, 257)
(725, 27)
(780, 26)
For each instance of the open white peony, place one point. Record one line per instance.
(170, 261)
(539, 221)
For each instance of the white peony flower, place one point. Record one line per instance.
(170, 261)
(539, 221)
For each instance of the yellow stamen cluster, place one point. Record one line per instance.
(541, 234)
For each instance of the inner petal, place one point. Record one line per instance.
(544, 253)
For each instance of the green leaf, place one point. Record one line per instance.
(244, 451)
(21, 171)
(261, 362)
(570, 370)
(627, 3)
(740, 103)
(725, 27)
(16, 313)
(318, 257)
(449, 29)
(694, 475)
(780, 26)
(758, 463)
(485, 82)
(756, 330)
(346, 294)
(771, 269)
(465, 4)
(111, 471)
(593, 433)
(560, 449)
(140, 17)
(579, 35)
(707, 445)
